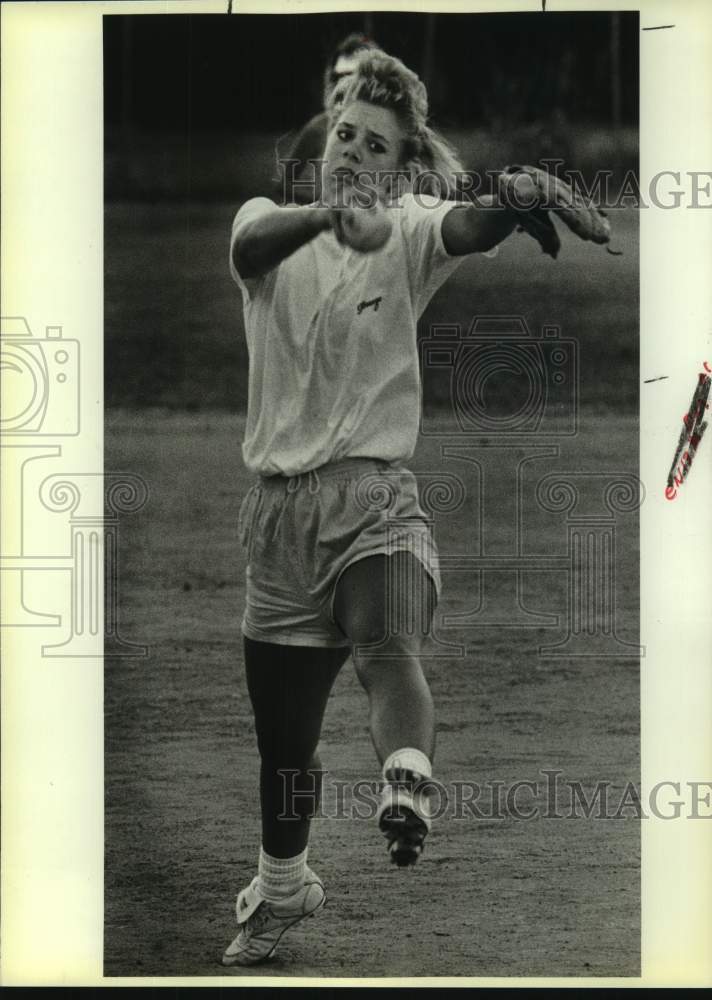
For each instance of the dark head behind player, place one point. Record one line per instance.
(299, 181)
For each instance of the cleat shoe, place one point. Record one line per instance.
(262, 923)
(404, 820)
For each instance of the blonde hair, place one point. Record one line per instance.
(385, 81)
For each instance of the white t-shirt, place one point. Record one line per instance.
(331, 335)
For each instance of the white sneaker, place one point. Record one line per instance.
(263, 924)
(404, 820)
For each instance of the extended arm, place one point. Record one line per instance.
(525, 196)
(477, 228)
(264, 241)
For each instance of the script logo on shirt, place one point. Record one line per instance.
(366, 305)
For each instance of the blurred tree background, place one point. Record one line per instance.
(196, 103)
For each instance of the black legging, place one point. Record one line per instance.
(289, 687)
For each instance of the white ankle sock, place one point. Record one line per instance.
(407, 759)
(280, 877)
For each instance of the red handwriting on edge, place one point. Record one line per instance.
(691, 434)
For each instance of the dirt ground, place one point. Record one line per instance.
(491, 896)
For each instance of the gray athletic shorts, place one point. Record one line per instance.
(300, 533)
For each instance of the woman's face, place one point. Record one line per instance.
(364, 140)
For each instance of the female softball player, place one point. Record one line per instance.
(331, 294)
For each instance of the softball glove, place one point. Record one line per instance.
(532, 200)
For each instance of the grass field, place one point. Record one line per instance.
(491, 896)
(173, 316)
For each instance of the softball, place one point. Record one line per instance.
(366, 229)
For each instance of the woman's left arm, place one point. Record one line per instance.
(477, 228)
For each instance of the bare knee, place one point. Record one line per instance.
(394, 660)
